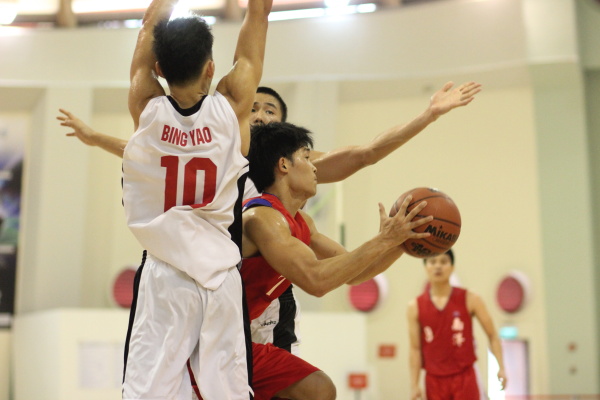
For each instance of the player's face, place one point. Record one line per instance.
(439, 268)
(303, 174)
(265, 109)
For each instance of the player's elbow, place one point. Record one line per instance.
(315, 289)
(365, 157)
(315, 281)
(316, 286)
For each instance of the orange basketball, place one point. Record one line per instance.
(444, 228)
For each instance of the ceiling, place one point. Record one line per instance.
(70, 13)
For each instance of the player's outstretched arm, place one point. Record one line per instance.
(325, 247)
(89, 136)
(476, 304)
(240, 84)
(339, 164)
(144, 83)
(414, 355)
(267, 232)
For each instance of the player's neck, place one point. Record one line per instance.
(187, 96)
(440, 289)
(291, 203)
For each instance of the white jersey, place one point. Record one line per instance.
(180, 186)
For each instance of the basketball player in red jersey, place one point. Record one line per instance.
(281, 244)
(189, 298)
(441, 336)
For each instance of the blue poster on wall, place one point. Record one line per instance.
(12, 143)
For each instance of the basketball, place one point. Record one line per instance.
(444, 228)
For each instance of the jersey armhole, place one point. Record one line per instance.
(257, 202)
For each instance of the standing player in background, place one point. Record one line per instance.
(278, 324)
(441, 336)
(182, 173)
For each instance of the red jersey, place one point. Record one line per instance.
(262, 283)
(447, 344)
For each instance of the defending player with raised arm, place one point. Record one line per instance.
(281, 244)
(189, 301)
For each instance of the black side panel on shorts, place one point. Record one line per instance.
(235, 229)
(284, 333)
(136, 286)
(248, 336)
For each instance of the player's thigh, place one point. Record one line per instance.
(466, 386)
(166, 307)
(278, 372)
(219, 364)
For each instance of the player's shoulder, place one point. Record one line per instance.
(412, 309)
(471, 294)
(307, 218)
(473, 300)
(412, 304)
(263, 217)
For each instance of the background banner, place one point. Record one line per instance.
(12, 143)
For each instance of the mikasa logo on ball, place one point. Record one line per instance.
(440, 234)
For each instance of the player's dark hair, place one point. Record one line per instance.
(182, 47)
(271, 92)
(268, 144)
(450, 254)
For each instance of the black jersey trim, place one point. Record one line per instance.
(186, 112)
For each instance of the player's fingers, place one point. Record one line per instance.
(471, 89)
(416, 210)
(447, 86)
(67, 113)
(421, 221)
(70, 134)
(405, 203)
(382, 213)
(415, 235)
(471, 93)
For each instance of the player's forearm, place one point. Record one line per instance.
(253, 34)
(496, 349)
(143, 56)
(414, 365)
(108, 143)
(379, 265)
(395, 137)
(339, 164)
(158, 10)
(330, 273)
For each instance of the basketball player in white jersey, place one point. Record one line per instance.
(182, 170)
(278, 324)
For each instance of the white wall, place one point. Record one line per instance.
(5, 345)
(78, 353)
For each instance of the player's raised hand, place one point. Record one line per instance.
(448, 98)
(399, 227)
(80, 130)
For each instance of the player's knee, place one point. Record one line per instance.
(326, 387)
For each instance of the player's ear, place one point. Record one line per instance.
(158, 70)
(210, 69)
(282, 164)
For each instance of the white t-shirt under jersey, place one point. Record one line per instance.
(180, 176)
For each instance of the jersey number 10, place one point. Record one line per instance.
(171, 163)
